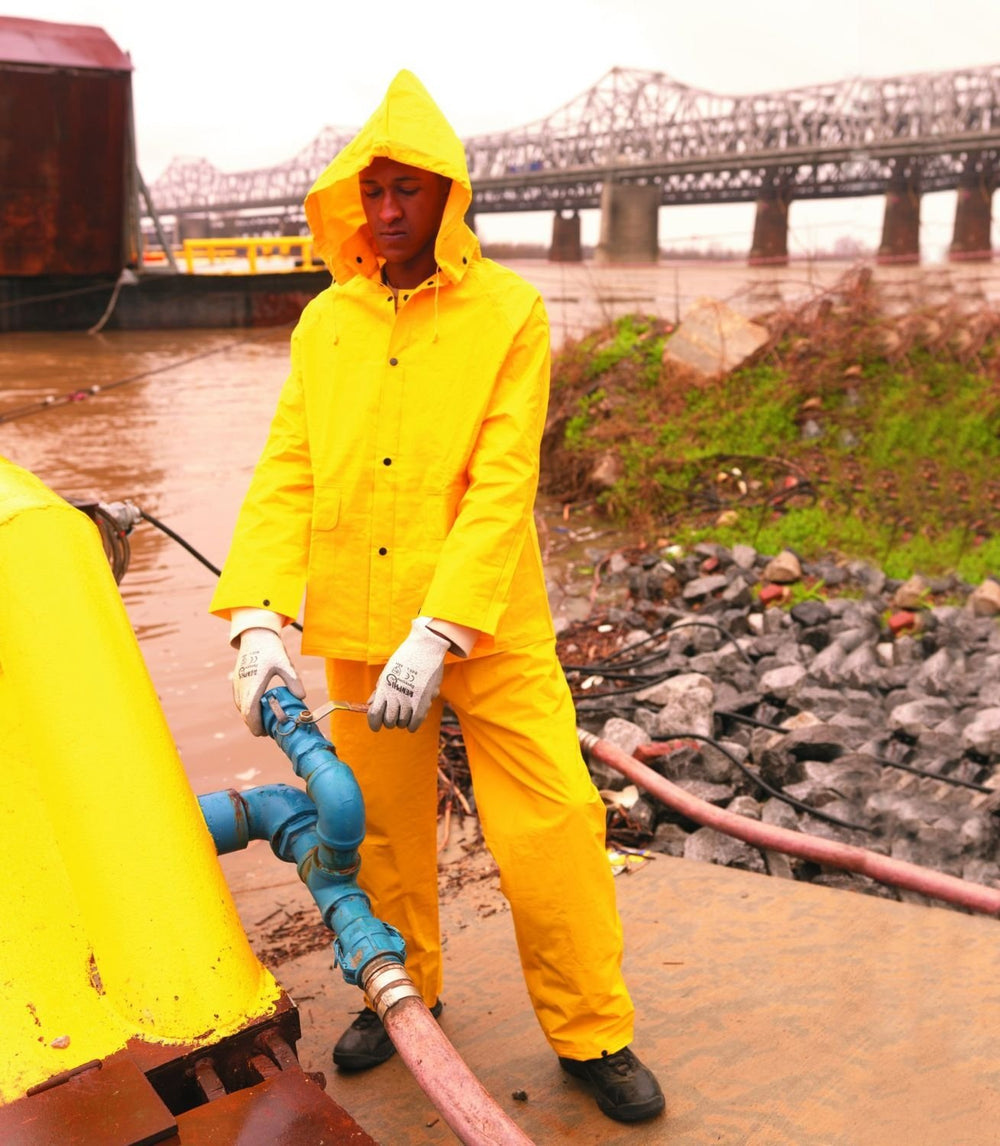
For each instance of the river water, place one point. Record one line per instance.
(181, 444)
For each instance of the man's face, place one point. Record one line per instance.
(403, 206)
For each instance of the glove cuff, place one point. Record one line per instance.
(421, 625)
(249, 618)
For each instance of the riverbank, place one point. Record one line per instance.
(861, 426)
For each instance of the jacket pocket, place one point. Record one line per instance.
(326, 509)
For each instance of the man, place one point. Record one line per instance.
(396, 491)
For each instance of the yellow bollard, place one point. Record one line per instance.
(115, 919)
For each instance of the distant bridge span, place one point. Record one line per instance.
(638, 140)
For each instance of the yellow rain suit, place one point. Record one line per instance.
(399, 480)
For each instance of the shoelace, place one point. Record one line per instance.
(620, 1062)
(366, 1018)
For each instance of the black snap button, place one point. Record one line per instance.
(393, 361)
(387, 461)
(359, 259)
(464, 260)
(266, 601)
(430, 282)
(389, 299)
(382, 551)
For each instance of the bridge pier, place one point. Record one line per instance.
(629, 223)
(770, 229)
(901, 222)
(194, 227)
(566, 246)
(972, 237)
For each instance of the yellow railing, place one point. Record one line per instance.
(251, 249)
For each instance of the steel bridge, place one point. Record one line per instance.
(900, 136)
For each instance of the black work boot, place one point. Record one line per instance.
(365, 1043)
(625, 1089)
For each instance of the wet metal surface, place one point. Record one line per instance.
(774, 1014)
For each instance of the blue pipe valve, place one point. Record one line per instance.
(319, 830)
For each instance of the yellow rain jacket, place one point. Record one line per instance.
(400, 472)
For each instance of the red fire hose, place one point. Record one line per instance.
(973, 896)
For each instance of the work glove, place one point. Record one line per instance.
(410, 680)
(262, 656)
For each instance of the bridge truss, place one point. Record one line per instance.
(927, 131)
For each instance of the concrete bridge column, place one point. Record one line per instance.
(770, 229)
(972, 236)
(193, 227)
(901, 222)
(629, 223)
(566, 246)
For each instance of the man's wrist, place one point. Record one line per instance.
(250, 618)
(460, 637)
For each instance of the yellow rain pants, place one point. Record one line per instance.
(543, 821)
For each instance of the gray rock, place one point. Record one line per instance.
(982, 735)
(917, 717)
(624, 734)
(745, 806)
(810, 612)
(782, 682)
(853, 638)
(860, 667)
(779, 767)
(937, 673)
(709, 846)
(780, 814)
(717, 794)
(686, 705)
(816, 742)
(669, 838)
(745, 556)
(703, 587)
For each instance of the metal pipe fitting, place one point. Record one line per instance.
(386, 982)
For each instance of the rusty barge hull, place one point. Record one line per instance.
(156, 301)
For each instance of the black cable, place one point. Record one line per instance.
(879, 759)
(777, 793)
(191, 549)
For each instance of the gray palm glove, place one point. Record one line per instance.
(410, 680)
(262, 656)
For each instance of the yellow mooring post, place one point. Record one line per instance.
(116, 924)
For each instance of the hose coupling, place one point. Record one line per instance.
(387, 982)
(587, 741)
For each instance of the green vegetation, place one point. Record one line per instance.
(848, 434)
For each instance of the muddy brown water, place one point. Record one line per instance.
(181, 444)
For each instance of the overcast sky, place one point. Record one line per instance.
(249, 85)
